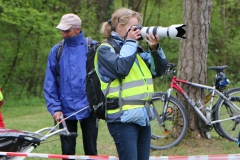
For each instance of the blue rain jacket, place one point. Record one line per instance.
(70, 96)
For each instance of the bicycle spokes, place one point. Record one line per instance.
(174, 125)
(229, 110)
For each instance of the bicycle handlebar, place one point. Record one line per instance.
(170, 68)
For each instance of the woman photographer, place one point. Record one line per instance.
(129, 74)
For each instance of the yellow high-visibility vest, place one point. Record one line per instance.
(137, 85)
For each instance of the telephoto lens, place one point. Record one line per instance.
(175, 31)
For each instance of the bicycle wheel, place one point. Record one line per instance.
(216, 128)
(229, 128)
(174, 127)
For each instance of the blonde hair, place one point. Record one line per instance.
(121, 16)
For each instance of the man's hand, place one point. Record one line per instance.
(57, 115)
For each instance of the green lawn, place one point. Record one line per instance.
(33, 118)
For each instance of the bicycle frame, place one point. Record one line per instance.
(206, 118)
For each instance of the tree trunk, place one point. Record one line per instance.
(104, 10)
(192, 62)
(225, 31)
(135, 5)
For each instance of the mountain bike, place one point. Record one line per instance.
(171, 122)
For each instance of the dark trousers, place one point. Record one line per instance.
(89, 136)
(132, 141)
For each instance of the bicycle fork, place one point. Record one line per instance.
(165, 108)
(161, 117)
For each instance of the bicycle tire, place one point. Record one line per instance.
(162, 139)
(216, 128)
(229, 128)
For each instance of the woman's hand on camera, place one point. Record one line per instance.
(152, 41)
(133, 34)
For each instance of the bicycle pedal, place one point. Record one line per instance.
(169, 110)
(166, 132)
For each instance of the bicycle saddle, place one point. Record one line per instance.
(218, 68)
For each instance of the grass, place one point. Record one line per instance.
(33, 118)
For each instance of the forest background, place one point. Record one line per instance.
(28, 32)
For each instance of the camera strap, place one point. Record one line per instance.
(127, 33)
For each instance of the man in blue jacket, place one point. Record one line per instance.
(67, 96)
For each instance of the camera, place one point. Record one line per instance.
(175, 31)
(138, 27)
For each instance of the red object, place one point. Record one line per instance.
(1, 103)
(2, 125)
(200, 157)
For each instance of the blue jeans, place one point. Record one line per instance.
(132, 141)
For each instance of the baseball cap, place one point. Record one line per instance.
(69, 20)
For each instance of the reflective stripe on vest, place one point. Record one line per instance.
(124, 108)
(138, 85)
(128, 85)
